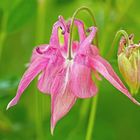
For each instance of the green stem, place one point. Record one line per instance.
(2, 39)
(91, 122)
(3, 32)
(40, 30)
(40, 33)
(72, 26)
(84, 108)
(120, 32)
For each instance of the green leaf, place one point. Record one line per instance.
(21, 14)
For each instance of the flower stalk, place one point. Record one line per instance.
(2, 39)
(72, 26)
(40, 33)
(92, 116)
(3, 32)
(120, 32)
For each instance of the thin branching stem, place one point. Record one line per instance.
(120, 32)
(72, 26)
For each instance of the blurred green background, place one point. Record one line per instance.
(26, 23)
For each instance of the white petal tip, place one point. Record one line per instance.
(8, 106)
(52, 131)
(136, 102)
(12, 103)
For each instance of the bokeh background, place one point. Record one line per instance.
(26, 23)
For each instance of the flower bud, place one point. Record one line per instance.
(129, 63)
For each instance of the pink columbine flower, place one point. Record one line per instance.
(66, 80)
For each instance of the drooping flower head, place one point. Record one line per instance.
(65, 79)
(129, 63)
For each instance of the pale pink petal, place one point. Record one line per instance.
(47, 77)
(82, 84)
(88, 40)
(85, 48)
(105, 69)
(60, 79)
(43, 79)
(66, 34)
(75, 47)
(44, 51)
(90, 50)
(37, 51)
(62, 98)
(94, 50)
(61, 105)
(54, 40)
(81, 29)
(96, 74)
(48, 74)
(34, 69)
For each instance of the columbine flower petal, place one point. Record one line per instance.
(82, 84)
(62, 98)
(54, 40)
(47, 77)
(84, 47)
(81, 30)
(61, 105)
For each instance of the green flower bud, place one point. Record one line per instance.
(129, 63)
